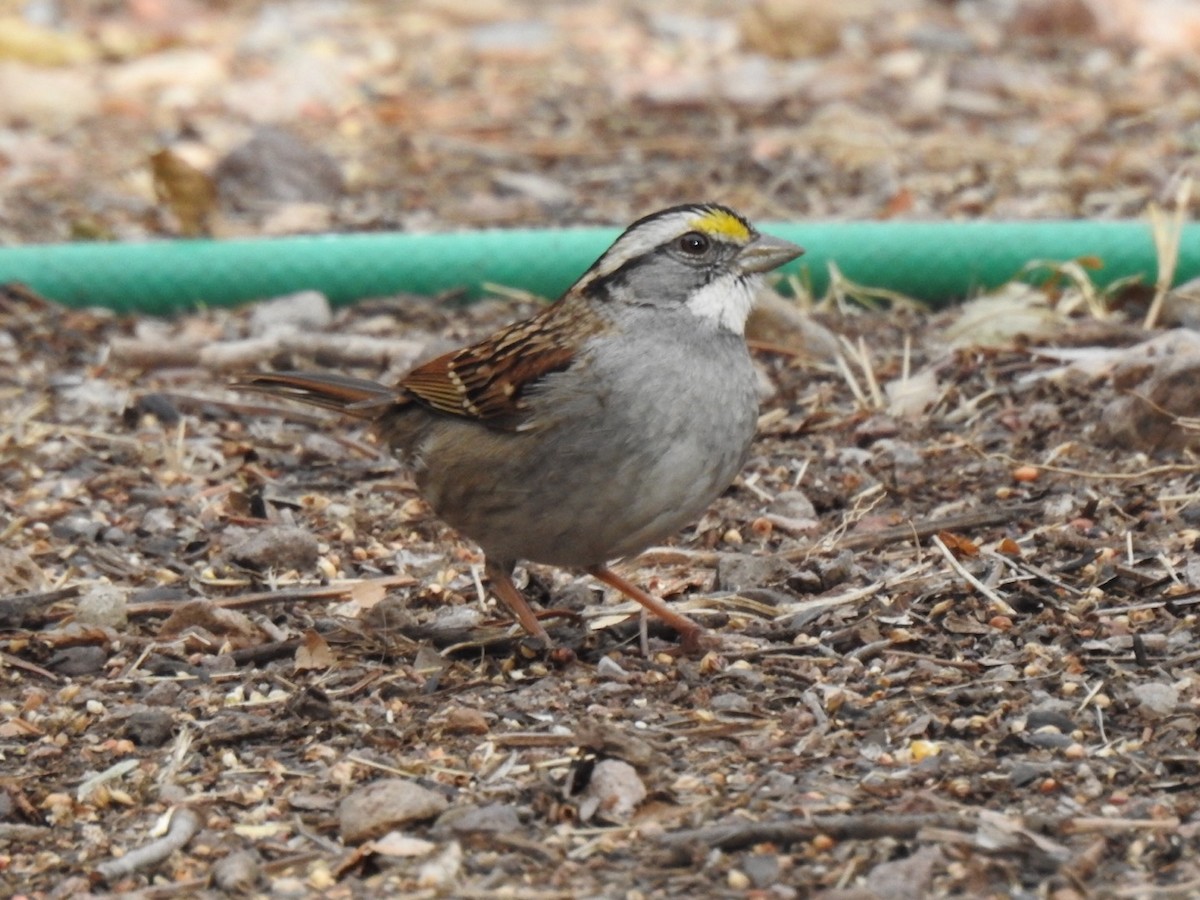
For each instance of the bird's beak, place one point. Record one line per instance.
(765, 253)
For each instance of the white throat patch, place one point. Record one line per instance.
(727, 301)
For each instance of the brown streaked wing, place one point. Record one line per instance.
(486, 381)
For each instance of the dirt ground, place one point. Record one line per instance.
(955, 585)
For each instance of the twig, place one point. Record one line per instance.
(8, 659)
(189, 887)
(1167, 229)
(869, 651)
(856, 389)
(1099, 824)
(525, 739)
(996, 600)
(863, 503)
(15, 832)
(677, 556)
(841, 827)
(1090, 694)
(262, 598)
(89, 785)
(964, 664)
(17, 610)
(1020, 565)
(864, 362)
(314, 838)
(1184, 890)
(1143, 474)
(858, 353)
(1187, 598)
(335, 349)
(815, 603)
(185, 823)
(260, 655)
(869, 826)
(983, 518)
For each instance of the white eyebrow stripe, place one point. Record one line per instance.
(642, 240)
(656, 232)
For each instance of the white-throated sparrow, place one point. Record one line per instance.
(598, 426)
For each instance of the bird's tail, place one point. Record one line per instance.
(353, 396)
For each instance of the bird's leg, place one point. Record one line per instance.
(690, 633)
(500, 575)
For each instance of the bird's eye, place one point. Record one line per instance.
(694, 243)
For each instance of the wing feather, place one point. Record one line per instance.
(488, 381)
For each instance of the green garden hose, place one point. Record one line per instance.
(936, 262)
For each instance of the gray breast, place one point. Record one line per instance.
(629, 445)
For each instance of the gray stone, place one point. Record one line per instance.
(612, 793)
(302, 311)
(102, 605)
(1156, 699)
(494, 817)
(278, 547)
(275, 167)
(730, 702)
(150, 727)
(737, 571)
(74, 661)
(380, 806)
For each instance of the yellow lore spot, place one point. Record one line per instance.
(722, 223)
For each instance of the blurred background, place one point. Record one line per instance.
(121, 120)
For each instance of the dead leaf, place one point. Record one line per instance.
(1013, 311)
(1008, 547)
(958, 545)
(206, 615)
(394, 843)
(367, 594)
(314, 653)
(188, 192)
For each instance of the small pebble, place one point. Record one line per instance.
(613, 792)
(610, 668)
(238, 873)
(762, 869)
(158, 521)
(76, 528)
(150, 727)
(164, 693)
(499, 818)
(114, 535)
(302, 311)
(103, 605)
(738, 880)
(730, 702)
(75, 661)
(1156, 699)
(280, 548)
(277, 166)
